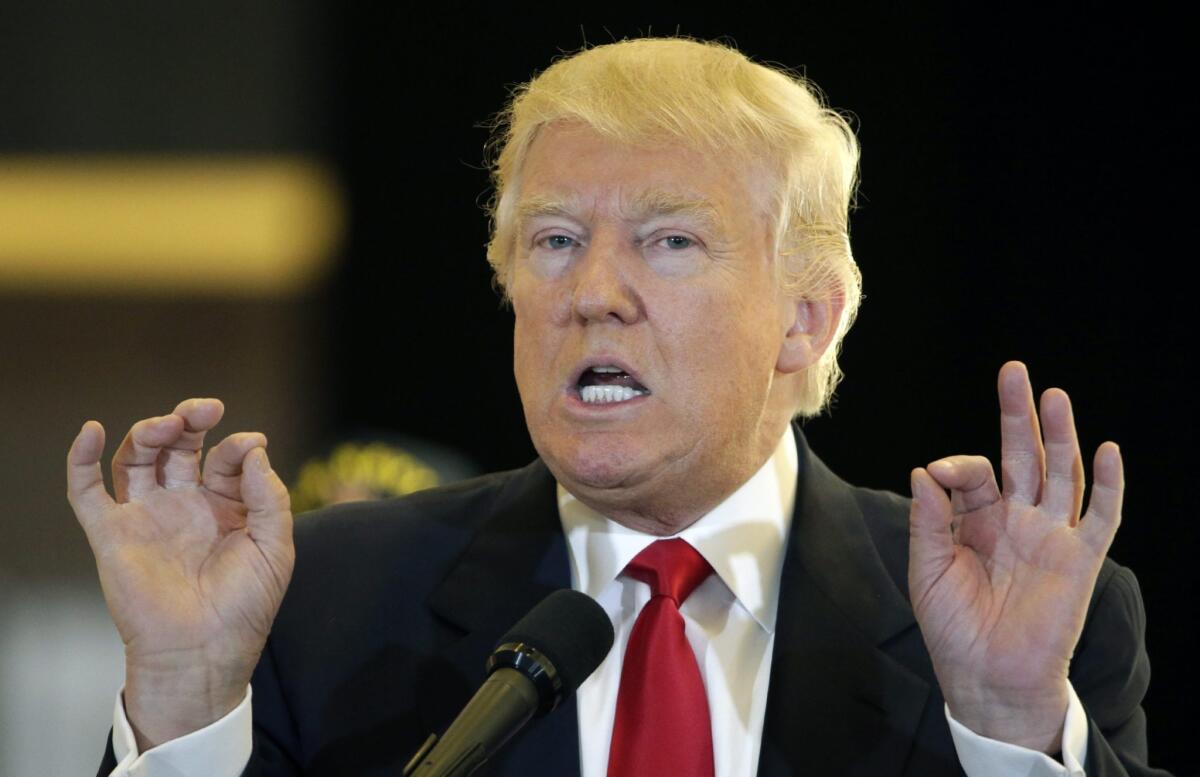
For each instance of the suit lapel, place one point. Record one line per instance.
(838, 703)
(487, 591)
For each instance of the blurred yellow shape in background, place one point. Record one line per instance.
(252, 225)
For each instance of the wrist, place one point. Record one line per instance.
(164, 702)
(1030, 718)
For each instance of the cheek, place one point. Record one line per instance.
(529, 353)
(724, 356)
(536, 336)
(539, 302)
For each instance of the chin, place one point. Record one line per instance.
(601, 461)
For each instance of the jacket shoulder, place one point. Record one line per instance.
(436, 516)
(354, 560)
(885, 514)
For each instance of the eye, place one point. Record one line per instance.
(557, 241)
(677, 242)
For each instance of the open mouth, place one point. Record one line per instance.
(602, 384)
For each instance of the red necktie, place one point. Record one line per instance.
(662, 724)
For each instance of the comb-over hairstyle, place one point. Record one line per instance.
(708, 97)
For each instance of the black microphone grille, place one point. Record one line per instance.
(571, 630)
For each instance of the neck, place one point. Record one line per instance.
(669, 504)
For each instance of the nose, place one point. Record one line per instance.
(604, 289)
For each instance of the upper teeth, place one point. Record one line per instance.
(603, 394)
(607, 369)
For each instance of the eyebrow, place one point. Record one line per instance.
(656, 202)
(534, 207)
(647, 205)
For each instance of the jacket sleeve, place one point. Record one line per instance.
(1111, 672)
(276, 743)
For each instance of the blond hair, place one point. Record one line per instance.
(710, 97)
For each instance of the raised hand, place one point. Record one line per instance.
(193, 565)
(1000, 580)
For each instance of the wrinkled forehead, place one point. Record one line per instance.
(571, 169)
(632, 205)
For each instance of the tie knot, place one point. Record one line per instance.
(671, 568)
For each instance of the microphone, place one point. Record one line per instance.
(536, 666)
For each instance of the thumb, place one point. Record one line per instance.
(268, 506)
(930, 537)
(85, 482)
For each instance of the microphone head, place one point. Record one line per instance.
(558, 644)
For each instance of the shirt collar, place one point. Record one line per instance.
(743, 538)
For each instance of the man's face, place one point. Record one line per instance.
(648, 323)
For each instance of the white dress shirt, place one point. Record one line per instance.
(729, 621)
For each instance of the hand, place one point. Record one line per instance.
(193, 567)
(1000, 582)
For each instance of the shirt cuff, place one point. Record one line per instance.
(220, 749)
(984, 757)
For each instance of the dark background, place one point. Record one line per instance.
(1026, 193)
(1023, 196)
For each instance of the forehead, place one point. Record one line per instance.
(639, 205)
(571, 169)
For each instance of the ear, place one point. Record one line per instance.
(811, 331)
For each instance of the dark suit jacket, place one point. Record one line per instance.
(394, 606)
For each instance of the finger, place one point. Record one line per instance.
(1103, 516)
(1022, 459)
(85, 481)
(223, 464)
(135, 470)
(268, 506)
(930, 540)
(971, 480)
(179, 462)
(1062, 494)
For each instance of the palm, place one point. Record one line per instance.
(995, 605)
(191, 545)
(1000, 582)
(189, 561)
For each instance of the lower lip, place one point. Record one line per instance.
(578, 405)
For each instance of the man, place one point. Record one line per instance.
(670, 225)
